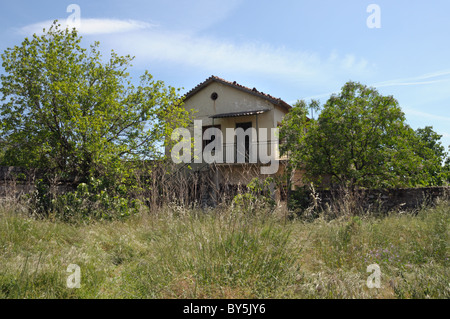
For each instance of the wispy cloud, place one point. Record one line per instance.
(151, 43)
(219, 56)
(320, 96)
(428, 115)
(91, 26)
(425, 79)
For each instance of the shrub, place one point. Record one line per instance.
(257, 199)
(93, 200)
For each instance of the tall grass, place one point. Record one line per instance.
(188, 253)
(172, 253)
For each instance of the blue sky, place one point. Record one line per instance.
(289, 49)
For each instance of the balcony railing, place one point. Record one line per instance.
(261, 152)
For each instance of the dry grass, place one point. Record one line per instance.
(187, 253)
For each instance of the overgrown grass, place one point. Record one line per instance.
(180, 253)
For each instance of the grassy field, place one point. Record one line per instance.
(178, 253)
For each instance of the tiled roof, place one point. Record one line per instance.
(237, 114)
(253, 91)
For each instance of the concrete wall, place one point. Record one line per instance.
(229, 100)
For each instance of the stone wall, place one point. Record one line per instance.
(386, 199)
(15, 181)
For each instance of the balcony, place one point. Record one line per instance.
(262, 152)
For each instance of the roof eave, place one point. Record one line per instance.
(234, 85)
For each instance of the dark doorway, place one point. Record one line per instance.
(246, 148)
(209, 139)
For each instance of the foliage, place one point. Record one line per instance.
(294, 130)
(89, 201)
(300, 200)
(446, 171)
(257, 199)
(430, 149)
(68, 112)
(359, 139)
(65, 109)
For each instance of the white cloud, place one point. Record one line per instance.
(220, 56)
(187, 48)
(91, 26)
(429, 78)
(321, 97)
(428, 115)
(441, 76)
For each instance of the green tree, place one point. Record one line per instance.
(65, 110)
(359, 139)
(446, 171)
(292, 136)
(429, 147)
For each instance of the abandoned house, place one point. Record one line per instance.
(230, 108)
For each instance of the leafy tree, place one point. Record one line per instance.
(71, 113)
(446, 171)
(359, 139)
(432, 152)
(65, 110)
(293, 134)
(2, 149)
